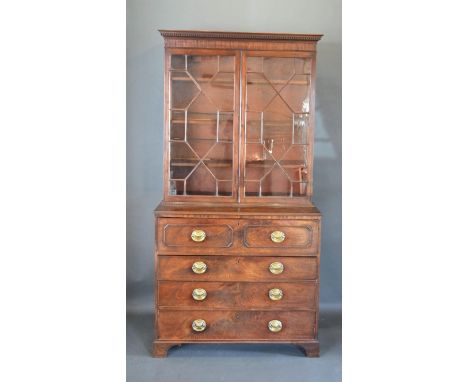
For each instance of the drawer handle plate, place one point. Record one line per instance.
(277, 236)
(199, 267)
(198, 235)
(275, 294)
(199, 325)
(276, 268)
(199, 294)
(275, 326)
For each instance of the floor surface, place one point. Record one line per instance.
(236, 363)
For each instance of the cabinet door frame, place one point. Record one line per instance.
(235, 134)
(295, 200)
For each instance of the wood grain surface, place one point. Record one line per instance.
(234, 324)
(242, 236)
(237, 295)
(236, 268)
(177, 233)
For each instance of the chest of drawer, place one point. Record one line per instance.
(242, 236)
(237, 295)
(200, 325)
(236, 268)
(196, 235)
(281, 236)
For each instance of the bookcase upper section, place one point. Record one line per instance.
(239, 116)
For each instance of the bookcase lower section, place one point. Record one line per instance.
(244, 276)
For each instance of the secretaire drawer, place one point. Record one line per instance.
(195, 235)
(236, 268)
(237, 295)
(234, 325)
(281, 235)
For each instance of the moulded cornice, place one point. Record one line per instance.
(239, 35)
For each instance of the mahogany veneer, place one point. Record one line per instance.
(236, 268)
(238, 235)
(232, 295)
(233, 325)
(237, 238)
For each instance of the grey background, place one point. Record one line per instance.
(144, 184)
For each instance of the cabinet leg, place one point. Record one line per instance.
(311, 349)
(160, 349)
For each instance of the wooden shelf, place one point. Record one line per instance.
(204, 121)
(269, 163)
(277, 82)
(277, 124)
(250, 82)
(194, 162)
(201, 121)
(229, 163)
(189, 139)
(201, 80)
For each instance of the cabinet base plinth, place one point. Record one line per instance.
(160, 349)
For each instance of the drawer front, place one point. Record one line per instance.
(236, 268)
(235, 295)
(281, 235)
(195, 234)
(235, 325)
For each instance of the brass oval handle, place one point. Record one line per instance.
(199, 294)
(275, 326)
(198, 235)
(276, 268)
(275, 294)
(277, 236)
(199, 267)
(199, 325)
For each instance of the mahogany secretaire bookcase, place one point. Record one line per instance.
(237, 238)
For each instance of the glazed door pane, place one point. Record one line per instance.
(201, 118)
(276, 126)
